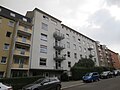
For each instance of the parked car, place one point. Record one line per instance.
(44, 84)
(90, 77)
(5, 87)
(106, 74)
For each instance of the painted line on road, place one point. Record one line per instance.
(72, 86)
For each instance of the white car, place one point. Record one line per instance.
(5, 87)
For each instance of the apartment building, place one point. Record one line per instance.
(104, 55)
(115, 59)
(55, 46)
(15, 43)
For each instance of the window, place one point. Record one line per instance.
(94, 59)
(3, 60)
(11, 23)
(43, 37)
(83, 42)
(69, 64)
(26, 28)
(43, 61)
(68, 53)
(93, 53)
(16, 61)
(43, 49)
(85, 50)
(8, 34)
(53, 21)
(44, 26)
(1, 74)
(68, 44)
(74, 38)
(24, 39)
(75, 55)
(74, 46)
(45, 18)
(80, 56)
(24, 19)
(12, 14)
(6, 46)
(78, 40)
(80, 48)
(67, 35)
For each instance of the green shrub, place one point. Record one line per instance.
(64, 77)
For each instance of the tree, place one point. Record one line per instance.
(84, 62)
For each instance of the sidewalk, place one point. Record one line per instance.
(71, 84)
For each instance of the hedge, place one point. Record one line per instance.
(79, 72)
(18, 83)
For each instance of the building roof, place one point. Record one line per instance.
(47, 14)
(78, 32)
(6, 13)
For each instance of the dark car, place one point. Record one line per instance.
(44, 84)
(90, 77)
(106, 74)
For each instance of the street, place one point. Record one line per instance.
(104, 84)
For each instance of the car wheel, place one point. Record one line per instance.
(36, 89)
(58, 87)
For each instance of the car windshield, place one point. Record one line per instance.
(88, 74)
(39, 81)
(104, 72)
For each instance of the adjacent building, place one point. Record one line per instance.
(56, 47)
(115, 59)
(15, 43)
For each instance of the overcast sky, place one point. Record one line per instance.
(97, 19)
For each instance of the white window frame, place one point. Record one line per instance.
(43, 49)
(43, 37)
(44, 26)
(43, 62)
(11, 23)
(6, 46)
(74, 46)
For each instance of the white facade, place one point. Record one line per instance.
(44, 28)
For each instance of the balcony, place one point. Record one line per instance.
(23, 41)
(20, 66)
(58, 68)
(90, 48)
(59, 57)
(21, 53)
(59, 46)
(24, 30)
(59, 36)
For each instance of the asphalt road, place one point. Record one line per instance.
(105, 84)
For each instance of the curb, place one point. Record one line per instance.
(72, 86)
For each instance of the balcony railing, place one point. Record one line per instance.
(59, 46)
(59, 36)
(24, 30)
(23, 41)
(58, 68)
(20, 66)
(59, 57)
(22, 53)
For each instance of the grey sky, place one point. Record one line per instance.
(98, 19)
